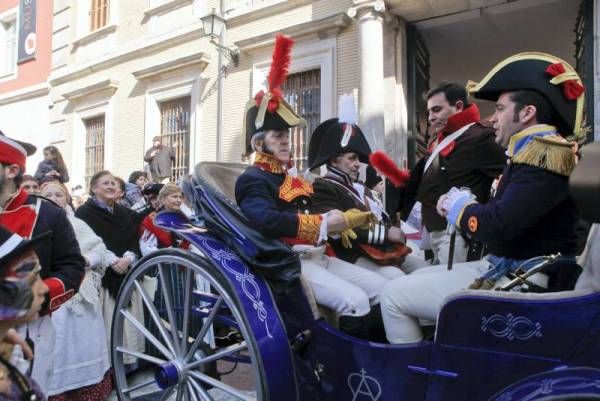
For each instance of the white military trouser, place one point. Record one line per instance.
(410, 264)
(420, 295)
(344, 287)
(440, 245)
(389, 272)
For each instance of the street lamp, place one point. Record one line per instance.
(214, 27)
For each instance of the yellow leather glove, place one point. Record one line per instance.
(347, 236)
(357, 218)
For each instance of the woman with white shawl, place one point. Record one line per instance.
(81, 344)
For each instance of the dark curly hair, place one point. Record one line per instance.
(133, 177)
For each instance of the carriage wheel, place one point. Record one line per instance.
(180, 360)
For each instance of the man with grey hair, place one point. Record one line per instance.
(277, 203)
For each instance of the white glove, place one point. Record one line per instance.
(447, 201)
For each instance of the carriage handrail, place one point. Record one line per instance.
(533, 266)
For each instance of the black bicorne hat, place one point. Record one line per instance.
(15, 292)
(269, 111)
(548, 75)
(152, 188)
(332, 138)
(285, 118)
(12, 245)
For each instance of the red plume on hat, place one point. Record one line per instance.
(268, 110)
(278, 73)
(386, 167)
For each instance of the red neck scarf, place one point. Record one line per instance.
(455, 122)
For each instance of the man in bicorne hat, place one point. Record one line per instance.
(341, 147)
(277, 203)
(63, 267)
(539, 108)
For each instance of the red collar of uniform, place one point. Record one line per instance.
(18, 217)
(16, 200)
(455, 122)
(269, 163)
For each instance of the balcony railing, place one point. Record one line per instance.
(94, 146)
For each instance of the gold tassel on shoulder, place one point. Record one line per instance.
(552, 153)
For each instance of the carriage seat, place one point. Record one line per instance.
(526, 323)
(587, 283)
(222, 176)
(584, 186)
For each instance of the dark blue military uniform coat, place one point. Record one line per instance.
(532, 213)
(275, 203)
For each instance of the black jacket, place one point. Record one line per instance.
(475, 162)
(335, 194)
(63, 267)
(118, 230)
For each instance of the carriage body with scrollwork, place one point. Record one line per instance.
(487, 345)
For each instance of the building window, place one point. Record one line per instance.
(303, 92)
(94, 146)
(98, 14)
(8, 46)
(175, 132)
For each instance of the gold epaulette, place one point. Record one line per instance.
(552, 153)
(294, 187)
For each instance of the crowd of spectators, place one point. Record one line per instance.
(113, 225)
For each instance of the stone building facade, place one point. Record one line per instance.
(125, 71)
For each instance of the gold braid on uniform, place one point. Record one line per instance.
(268, 163)
(309, 226)
(294, 187)
(552, 153)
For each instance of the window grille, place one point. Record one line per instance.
(175, 132)
(98, 14)
(8, 47)
(303, 92)
(94, 146)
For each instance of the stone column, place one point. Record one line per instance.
(370, 15)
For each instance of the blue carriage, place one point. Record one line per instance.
(487, 345)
